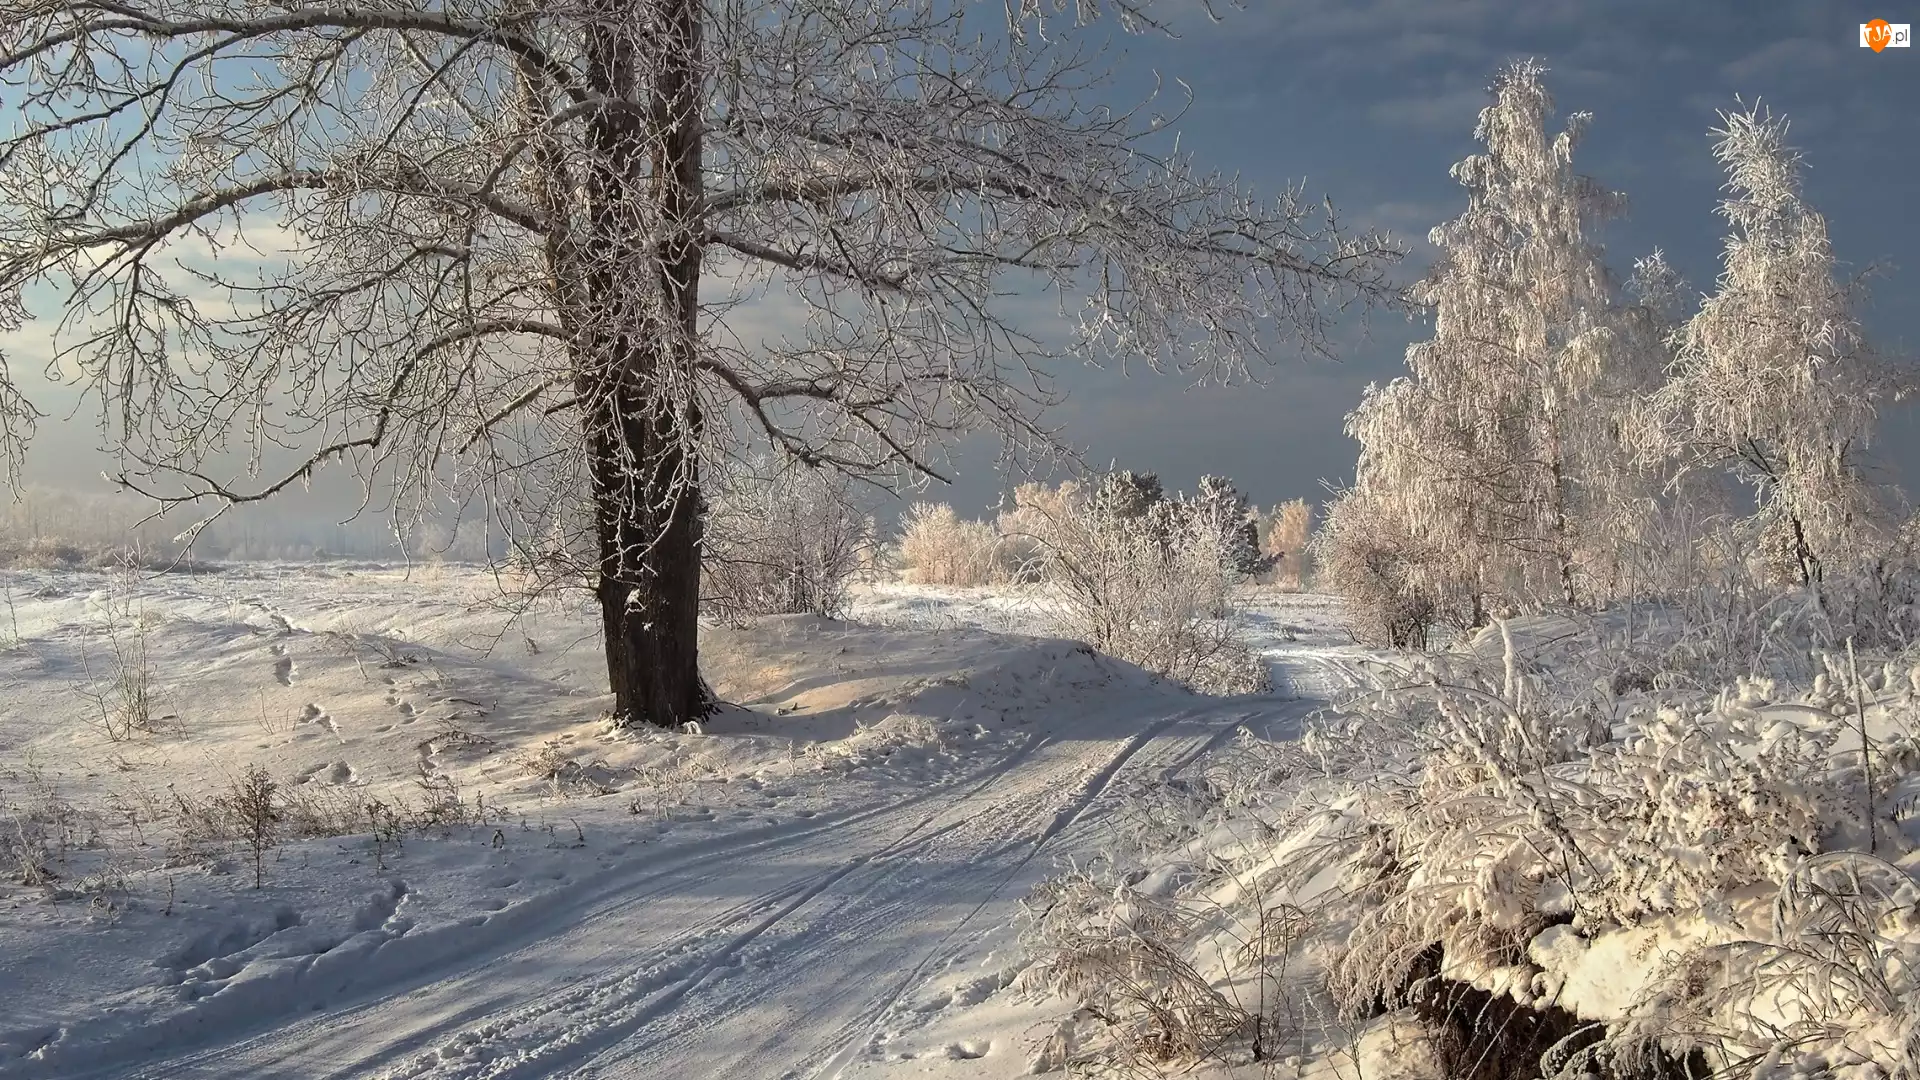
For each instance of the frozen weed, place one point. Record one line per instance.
(40, 829)
(123, 695)
(665, 787)
(550, 762)
(1477, 807)
(251, 808)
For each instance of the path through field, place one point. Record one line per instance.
(813, 945)
(781, 952)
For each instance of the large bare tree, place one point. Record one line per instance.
(561, 253)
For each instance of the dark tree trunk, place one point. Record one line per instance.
(649, 589)
(643, 423)
(1806, 561)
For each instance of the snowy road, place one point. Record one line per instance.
(826, 884)
(779, 952)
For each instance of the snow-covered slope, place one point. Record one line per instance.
(822, 883)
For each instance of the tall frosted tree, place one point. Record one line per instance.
(1503, 446)
(559, 254)
(1773, 380)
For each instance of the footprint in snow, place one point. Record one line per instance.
(382, 911)
(337, 773)
(217, 955)
(314, 714)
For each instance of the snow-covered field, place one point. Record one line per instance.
(824, 882)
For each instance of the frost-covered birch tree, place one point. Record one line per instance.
(1501, 450)
(1773, 380)
(561, 253)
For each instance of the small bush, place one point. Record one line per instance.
(123, 696)
(255, 817)
(550, 762)
(939, 547)
(1363, 553)
(785, 540)
(1126, 962)
(1150, 580)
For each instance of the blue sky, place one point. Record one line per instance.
(1372, 102)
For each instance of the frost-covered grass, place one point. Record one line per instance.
(1505, 860)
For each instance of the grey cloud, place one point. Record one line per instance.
(1789, 59)
(1448, 111)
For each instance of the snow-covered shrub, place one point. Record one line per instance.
(1034, 504)
(1718, 622)
(1128, 494)
(1150, 580)
(1197, 938)
(1122, 956)
(1830, 989)
(1649, 879)
(1364, 552)
(781, 540)
(1875, 600)
(1218, 506)
(939, 547)
(1543, 808)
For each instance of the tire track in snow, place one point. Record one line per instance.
(634, 973)
(858, 1037)
(547, 1035)
(634, 1001)
(518, 934)
(524, 929)
(989, 866)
